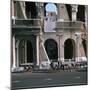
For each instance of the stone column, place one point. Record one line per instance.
(13, 12)
(60, 49)
(74, 12)
(13, 9)
(38, 9)
(78, 54)
(14, 58)
(37, 49)
(86, 17)
(58, 11)
(83, 56)
(17, 54)
(25, 51)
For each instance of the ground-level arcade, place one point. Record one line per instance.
(66, 46)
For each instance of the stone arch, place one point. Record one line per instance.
(51, 47)
(55, 38)
(45, 7)
(69, 49)
(25, 52)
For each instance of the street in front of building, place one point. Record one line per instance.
(27, 80)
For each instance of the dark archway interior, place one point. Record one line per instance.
(44, 9)
(22, 51)
(69, 49)
(81, 13)
(69, 10)
(29, 52)
(25, 52)
(51, 49)
(84, 46)
(31, 10)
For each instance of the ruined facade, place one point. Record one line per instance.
(35, 39)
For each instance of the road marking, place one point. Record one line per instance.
(47, 79)
(16, 81)
(78, 77)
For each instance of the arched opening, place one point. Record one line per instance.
(50, 10)
(29, 52)
(25, 52)
(31, 10)
(50, 7)
(81, 13)
(69, 10)
(84, 46)
(51, 49)
(69, 49)
(22, 52)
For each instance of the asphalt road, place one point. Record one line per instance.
(28, 80)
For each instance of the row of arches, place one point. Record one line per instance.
(32, 6)
(26, 50)
(53, 7)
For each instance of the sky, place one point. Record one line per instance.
(51, 7)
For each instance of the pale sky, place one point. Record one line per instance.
(51, 7)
